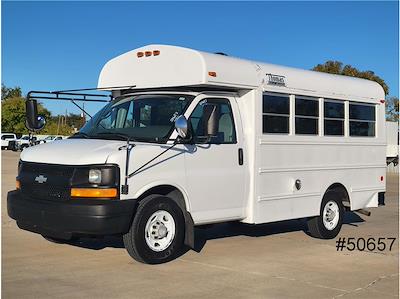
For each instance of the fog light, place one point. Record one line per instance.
(95, 176)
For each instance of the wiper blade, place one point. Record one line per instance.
(79, 134)
(120, 135)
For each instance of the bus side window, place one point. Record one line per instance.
(276, 113)
(333, 118)
(362, 119)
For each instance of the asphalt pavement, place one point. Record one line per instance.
(276, 260)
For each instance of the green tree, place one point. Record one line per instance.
(392, 109)
(54, 128)
(8, 93)
(336, 67)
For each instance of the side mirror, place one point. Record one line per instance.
(211, 115)
(34, 122)
(181, 126)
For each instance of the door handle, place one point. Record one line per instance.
(240, 156)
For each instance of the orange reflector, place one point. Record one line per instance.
(156, 52)
(18, 184)
(148, 53)
(94, 192)
(212, 74)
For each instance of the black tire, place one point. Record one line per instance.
(316, 227)
(134, 240)
(3, 147)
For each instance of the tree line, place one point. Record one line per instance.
(13, 104)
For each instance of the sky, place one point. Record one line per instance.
(64, 45)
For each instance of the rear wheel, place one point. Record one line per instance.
(328, 224)
(157, 231)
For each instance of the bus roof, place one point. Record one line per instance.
(163, 66)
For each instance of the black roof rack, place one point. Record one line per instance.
(68, 96)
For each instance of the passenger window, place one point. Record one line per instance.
(226, 127)
(362, 120)
(276, 114)
(306, 112)
(333, 118)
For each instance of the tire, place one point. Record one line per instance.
(324, 226)
(157, 232)
(3, 147)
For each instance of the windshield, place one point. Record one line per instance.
(148, 118)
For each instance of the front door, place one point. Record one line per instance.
(214, 165)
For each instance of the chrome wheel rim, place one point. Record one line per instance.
(159, 230)
(330, 216)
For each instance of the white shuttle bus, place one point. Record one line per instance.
(189, 138)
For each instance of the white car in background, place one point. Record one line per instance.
(50, 138)
(22, 143)
(6, 138)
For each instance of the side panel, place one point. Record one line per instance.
(318, 162)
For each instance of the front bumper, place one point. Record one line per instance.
(72, 218)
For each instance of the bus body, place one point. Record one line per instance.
(287, 143)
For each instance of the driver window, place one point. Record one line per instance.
(226, 127)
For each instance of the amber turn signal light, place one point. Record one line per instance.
(18, 184)
(94, 192)
(212, 74)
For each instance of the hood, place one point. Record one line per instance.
(72, 151)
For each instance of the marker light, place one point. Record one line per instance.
(381, 178)
(140, 54)
(156, 52)
(94, 192)
(18, 184)
(148, 53)
(382, 101)
(95, 176)
(212, 74)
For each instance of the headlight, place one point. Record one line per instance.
(95, 176)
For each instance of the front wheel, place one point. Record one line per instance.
(328, 224)
(157, 232)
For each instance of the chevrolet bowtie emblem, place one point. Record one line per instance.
(41, 179)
